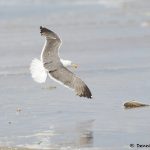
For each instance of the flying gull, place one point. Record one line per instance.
(51, 64)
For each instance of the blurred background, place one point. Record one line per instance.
(109, 40)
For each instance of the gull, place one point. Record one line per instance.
(56, 68)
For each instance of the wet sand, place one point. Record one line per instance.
(7, 148)
(111, 46)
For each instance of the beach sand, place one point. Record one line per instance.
(109, 40)
(7, 148)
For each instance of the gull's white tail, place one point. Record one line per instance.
(37, 70)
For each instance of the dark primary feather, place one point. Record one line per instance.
(43, 29)
(49, 34)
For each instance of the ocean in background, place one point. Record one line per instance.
(109, 40)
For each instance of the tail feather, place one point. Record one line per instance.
(38, 71)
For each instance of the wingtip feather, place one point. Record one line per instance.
(84, 92)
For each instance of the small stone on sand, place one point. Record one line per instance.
(18, 110)
(49, 87)
(134, 104)
(9, 122)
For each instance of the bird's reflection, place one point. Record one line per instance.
(80, 135)
(85, 134)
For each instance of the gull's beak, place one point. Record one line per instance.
(74, 65)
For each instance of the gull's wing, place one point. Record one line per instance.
(49, 55)
(66, 77)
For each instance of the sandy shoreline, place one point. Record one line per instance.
(13, 148)
(110, 43)
(19, 148)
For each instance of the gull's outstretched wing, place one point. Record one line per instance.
(49, 55)
(66, 77)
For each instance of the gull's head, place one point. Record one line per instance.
(47, 33)
(68, 63)
(74, 65)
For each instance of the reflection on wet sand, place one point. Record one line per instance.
(85, 133)
(80, 136)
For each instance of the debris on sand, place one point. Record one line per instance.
(18, 110)
(49, 87)
(9, 122)
(134, 104)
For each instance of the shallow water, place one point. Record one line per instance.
(110, 42)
